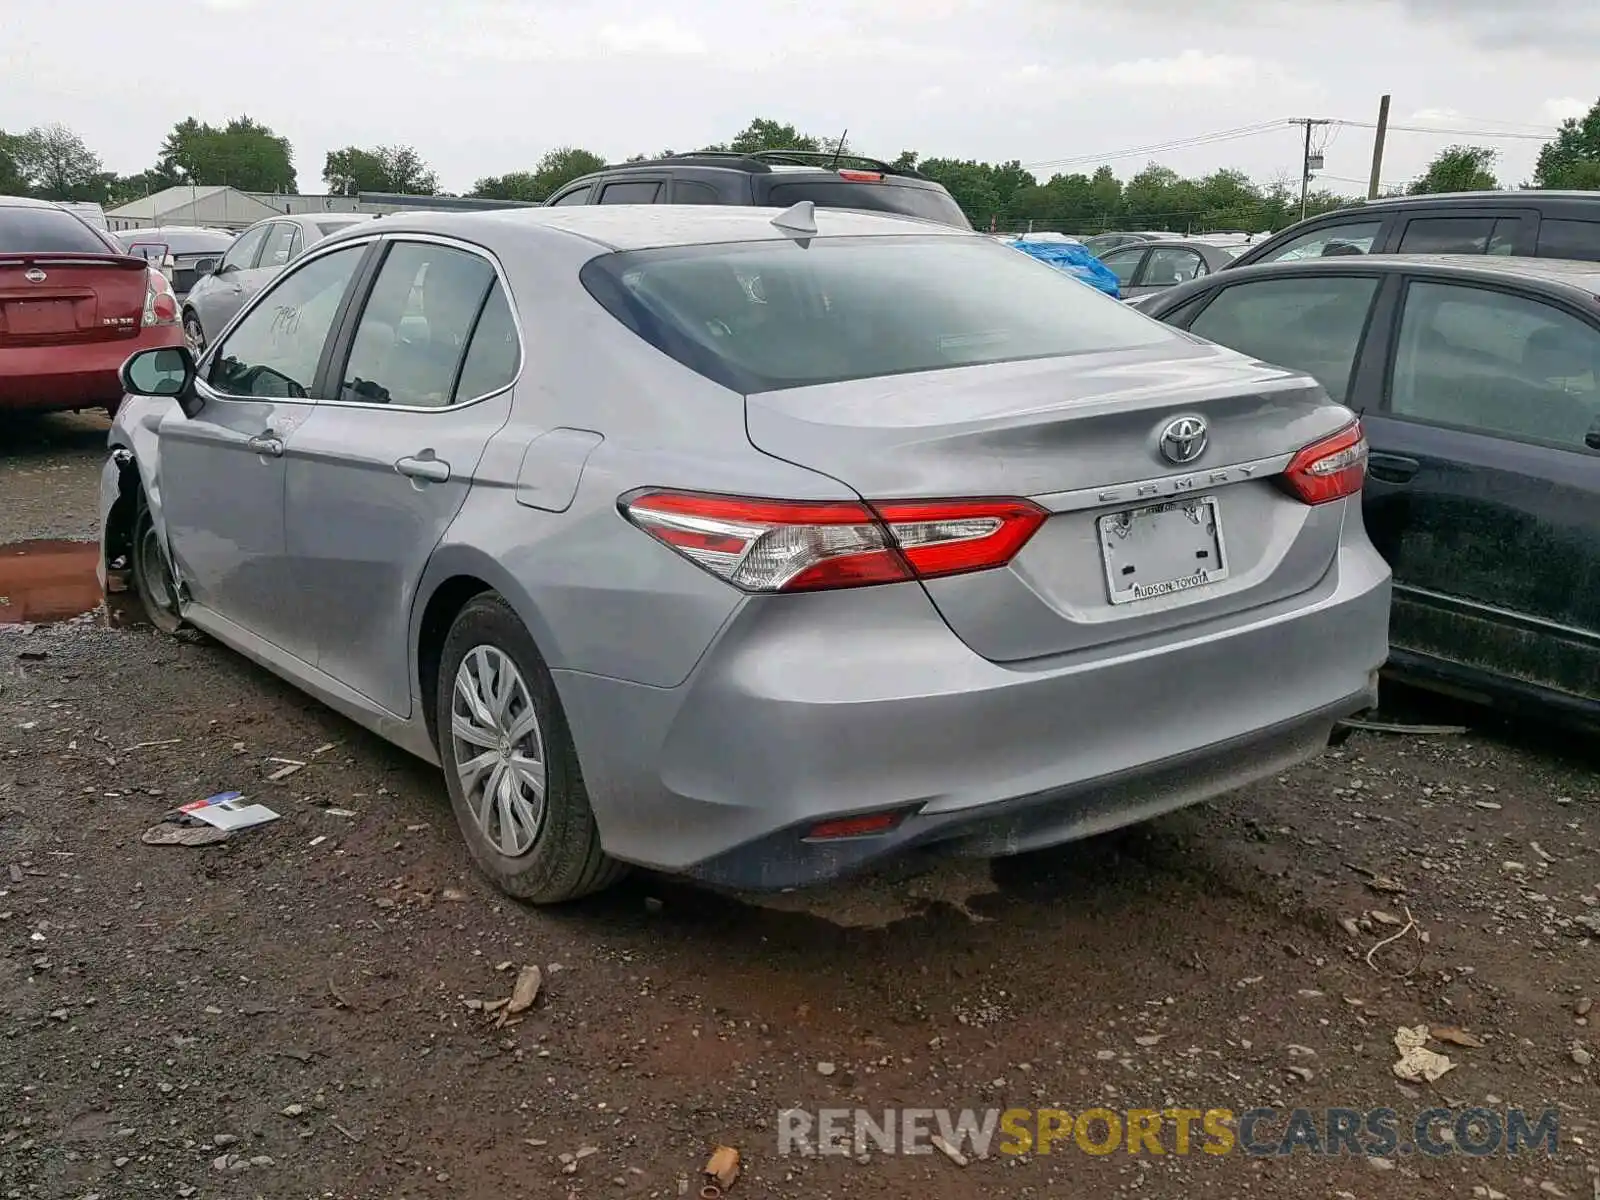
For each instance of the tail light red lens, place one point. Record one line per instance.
(160, 303)
(1331, 469)
(795, 546)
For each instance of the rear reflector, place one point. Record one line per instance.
(1331, 469)
(795, 545)
(861, 176)
(848, 827)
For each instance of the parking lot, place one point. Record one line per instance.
(299, 1011)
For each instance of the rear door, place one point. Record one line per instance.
(1484, 484)
(377, 473)
(1460, 229)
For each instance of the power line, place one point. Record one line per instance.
(1200, 139)
(1438, 132)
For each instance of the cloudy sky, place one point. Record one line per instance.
(485, 86)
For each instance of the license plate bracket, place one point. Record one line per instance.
(1162, 549)
(39, 316)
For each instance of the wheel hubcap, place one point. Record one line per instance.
(193, 336)
(499, 750)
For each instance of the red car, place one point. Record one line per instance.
(73, 307)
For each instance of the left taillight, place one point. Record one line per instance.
(762, 545)
(1331, 469)
(160, 302)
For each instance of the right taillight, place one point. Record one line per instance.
(1331, 469)
(160, 303)
(764, 545)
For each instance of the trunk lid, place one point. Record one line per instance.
(64, 298)
(1082, 436)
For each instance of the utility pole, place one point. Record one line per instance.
(1307, 165)
(1377, 147)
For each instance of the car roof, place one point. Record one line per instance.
(652, 226)
(1563, 274)
(1524, 197)
(29, 202)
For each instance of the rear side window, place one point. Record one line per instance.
(643, 191)
(688, 191)
(761, 316)
(414, 327)
(1124, 263)
(1170, 266)
(1570, 239)
(1312, 324)
(494, 354)
(931, 204)
(47, 231)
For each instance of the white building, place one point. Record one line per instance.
(216, 207)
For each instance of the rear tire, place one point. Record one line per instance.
(152, 576)
(502, 734)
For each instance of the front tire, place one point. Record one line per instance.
(152, 575)
(194, 336)
(510, 764)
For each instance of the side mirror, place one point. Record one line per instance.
(205, 266)
(167, 372)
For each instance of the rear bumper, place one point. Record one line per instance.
(84, 375)
(814, 707)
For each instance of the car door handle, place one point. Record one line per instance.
(432, 469)
(1392, 468)
(266, 443)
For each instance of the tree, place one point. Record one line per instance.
(243, 154)
(1573, 159)
(766, 134)
(53, 163)
(554, 171)
(1458, 169)
(11, 181)
(380, 169)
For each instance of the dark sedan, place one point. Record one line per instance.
(1478, 381)
(1151, 267)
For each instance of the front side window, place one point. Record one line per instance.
(242, 254)
(758, 316)
(578, 196)
(1351, 237)
(274, 350)
(1497, 363)
(1124, 264)
(1167, 267)
(1312, 324)
(415, 325)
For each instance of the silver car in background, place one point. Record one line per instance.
(755, 546)
(184, 253)
(257, 255)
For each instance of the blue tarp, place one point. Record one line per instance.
(1075, 261)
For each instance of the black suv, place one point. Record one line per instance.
(776, 178)
(1528, 224)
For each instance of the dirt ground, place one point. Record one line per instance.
(298, 1012)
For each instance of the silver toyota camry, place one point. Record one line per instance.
(754, 545)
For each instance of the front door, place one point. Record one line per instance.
(221, 473)
(1483, 490)
(376, 478)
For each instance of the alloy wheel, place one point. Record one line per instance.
(193, 336)
(499, 750)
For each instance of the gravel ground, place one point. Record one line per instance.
(298, 1012)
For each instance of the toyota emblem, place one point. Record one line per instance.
(34, 275)
(1183, 440)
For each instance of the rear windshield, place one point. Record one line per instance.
(46, 230)
(760, 316)
(931, 204)
(178, 241)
